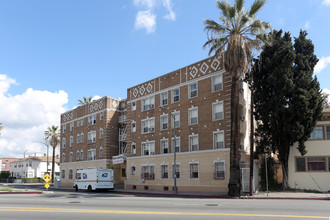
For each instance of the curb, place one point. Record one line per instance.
(287, 198)
(32, 192)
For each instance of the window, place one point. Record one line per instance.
(317, 133)
(176, 144)
(82, 137)
(71, 157)
(327, 131)
(148, 148)
(133, 106)
(63, 143)
(78, 123)
(133, 148)
(70, 174)
(219, 170)
(217, 110)
(217, 83)
(192, 90)
(78, 155)
(78, 138)
(133, 170)
(71, 126)
(101, 151)
(218, 140)
(71, 141)
(163, 122)
(304, 164)
(148, 103)
(177, 172)
(194, 171)
(63, 174)
(92, 120)
(133, 126)
(163, 98)
(175, 95)
(81, 154)
(193, 116)
(175, 120)
(101, 115)
(63, 128)
(148, 172)
(316, 164)
(92, 137)
(91, 154)
(63, 158)
(148, 125)
(301, 164)
(82, 122)
(101, 132)
(164, 146)
(193, 142)
(164, 171)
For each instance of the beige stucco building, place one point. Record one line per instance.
(312, 171)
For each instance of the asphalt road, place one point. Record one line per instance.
(95, 206)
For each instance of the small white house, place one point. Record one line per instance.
(33, 167)
(312, 171)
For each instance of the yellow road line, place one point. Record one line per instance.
(30, 209)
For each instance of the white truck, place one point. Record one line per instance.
(94, 179)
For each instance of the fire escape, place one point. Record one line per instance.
(122, 128)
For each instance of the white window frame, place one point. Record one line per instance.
(63, 158)
(173, 95)
(190, 171)
(162, 99)
(101, 134)
(149, 146)
(133, 126)
(147, 103)
(78, 155)
(91, 154)
(82, 154)
(92, 120)
(133, 171)
(162, 123)
(71, 126)
(214, 85)
(91, 137)
(78, 138)
(82, 137)
(133, 149)
(215, 176)
(178, 144)
(101, 115)
(214, 104)
(164, 145)
(133, 106)
(162, 171)
(101, 152)
(215, 137)
(71, 157)
(190, 91)
(71, 141)
(175, 115)
(63, 142)
(78, 123)
(82, 122)
(190, 112)
(193, 138)
(148, 171)
(148, 125)
(178, 167)
(63, 128)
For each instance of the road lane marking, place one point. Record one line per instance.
(95, 211)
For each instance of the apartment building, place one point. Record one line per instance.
(187, 110)
(89, 139)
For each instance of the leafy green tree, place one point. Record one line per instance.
(238, 34)
(52, 136)
(288, 100)
(85, 100)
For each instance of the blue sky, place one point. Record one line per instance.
(53, 53)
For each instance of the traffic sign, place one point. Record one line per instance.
(47, 178)
(47, 185)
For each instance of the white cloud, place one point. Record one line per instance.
(146, 15)
(322, 64)
(307, 25)
(327, 91)
(147, 20)
(326, 2)
(168, 5)
(26, 116)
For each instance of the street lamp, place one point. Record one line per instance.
(174, 150)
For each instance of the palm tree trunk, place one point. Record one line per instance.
(234, 186)
(53, 164)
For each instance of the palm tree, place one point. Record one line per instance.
(238, 35)
(52, 135)
(85, 100)
(1, 127)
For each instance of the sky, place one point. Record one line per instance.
(53, 53)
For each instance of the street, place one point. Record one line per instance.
(109, 205)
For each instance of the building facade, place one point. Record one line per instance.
(312, 171)
(5, 164)
(187, 110)
(33, 166)
(89, 139)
